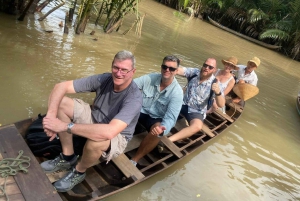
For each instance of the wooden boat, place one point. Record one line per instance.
(298, 103)
(243, 36)
(103, 179)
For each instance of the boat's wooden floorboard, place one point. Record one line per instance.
(32, 186)
(12, 190)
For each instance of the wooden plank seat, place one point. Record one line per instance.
(127, 168)
(207, 131)
(234, 105)
(224, 116)
(31, 186)
(171, 146)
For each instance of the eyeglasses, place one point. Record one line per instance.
(115, 69)
(207, 66)
(167, 67)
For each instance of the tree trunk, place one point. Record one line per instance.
(42, 6)
(81, 26)
(50, 11)
(66, 29)
(71, 13)
(21, 17)
(33, 6)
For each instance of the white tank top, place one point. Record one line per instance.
(223, 85)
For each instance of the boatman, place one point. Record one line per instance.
(246, 74)
(162, 100)
(197, 95)
(108, 125)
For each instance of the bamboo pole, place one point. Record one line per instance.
(50, 11)
(42, 6)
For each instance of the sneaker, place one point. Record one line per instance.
(70, 180)
(59, 163)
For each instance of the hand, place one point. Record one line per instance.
(241, 81)
(215, 87)
(52, 126)
(157, 130)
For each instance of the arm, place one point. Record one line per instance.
(180, 71)
(220, 100)
(229, 87)
(173, 111)
(57, 95)
(95, 132)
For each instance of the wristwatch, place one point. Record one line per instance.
(218, 94)
(70, 125)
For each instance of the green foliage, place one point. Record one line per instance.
(275, 34)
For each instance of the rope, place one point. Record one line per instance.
(10, 167)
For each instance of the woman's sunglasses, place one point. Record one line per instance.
(167, 67)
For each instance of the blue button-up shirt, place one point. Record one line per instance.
(197, 95)
(165, 104)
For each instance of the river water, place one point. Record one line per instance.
(255, 159)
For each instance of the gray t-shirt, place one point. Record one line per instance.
(125, 105)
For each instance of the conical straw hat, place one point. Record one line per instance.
(245, 91)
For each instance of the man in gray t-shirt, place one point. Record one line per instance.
(108, 125)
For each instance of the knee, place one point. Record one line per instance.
(65, 106)
(196, 128)
(93, 146)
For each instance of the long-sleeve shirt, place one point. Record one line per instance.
(165, 104)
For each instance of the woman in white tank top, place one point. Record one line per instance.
(225, 78)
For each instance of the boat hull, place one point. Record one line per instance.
(105, 179)
(266, 45)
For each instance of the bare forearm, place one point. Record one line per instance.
(95, 132)
(220, 101)
(57, 95)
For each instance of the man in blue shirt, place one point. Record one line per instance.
(162, 100)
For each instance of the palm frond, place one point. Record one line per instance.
(275, 34)
(256, 15)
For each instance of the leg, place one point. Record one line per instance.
(66, 113)
(194, 127)
(147, 145)
(91, 153)
(69, 109)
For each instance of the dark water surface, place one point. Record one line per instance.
(256, 159)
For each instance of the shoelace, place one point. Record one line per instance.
(10, 167)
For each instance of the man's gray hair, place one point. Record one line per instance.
(171, 58)
(124, 55)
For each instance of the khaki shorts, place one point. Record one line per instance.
(83, 115)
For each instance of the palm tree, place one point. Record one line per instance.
(287, 29)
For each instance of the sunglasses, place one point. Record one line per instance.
(207, 66)
(167, 67)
